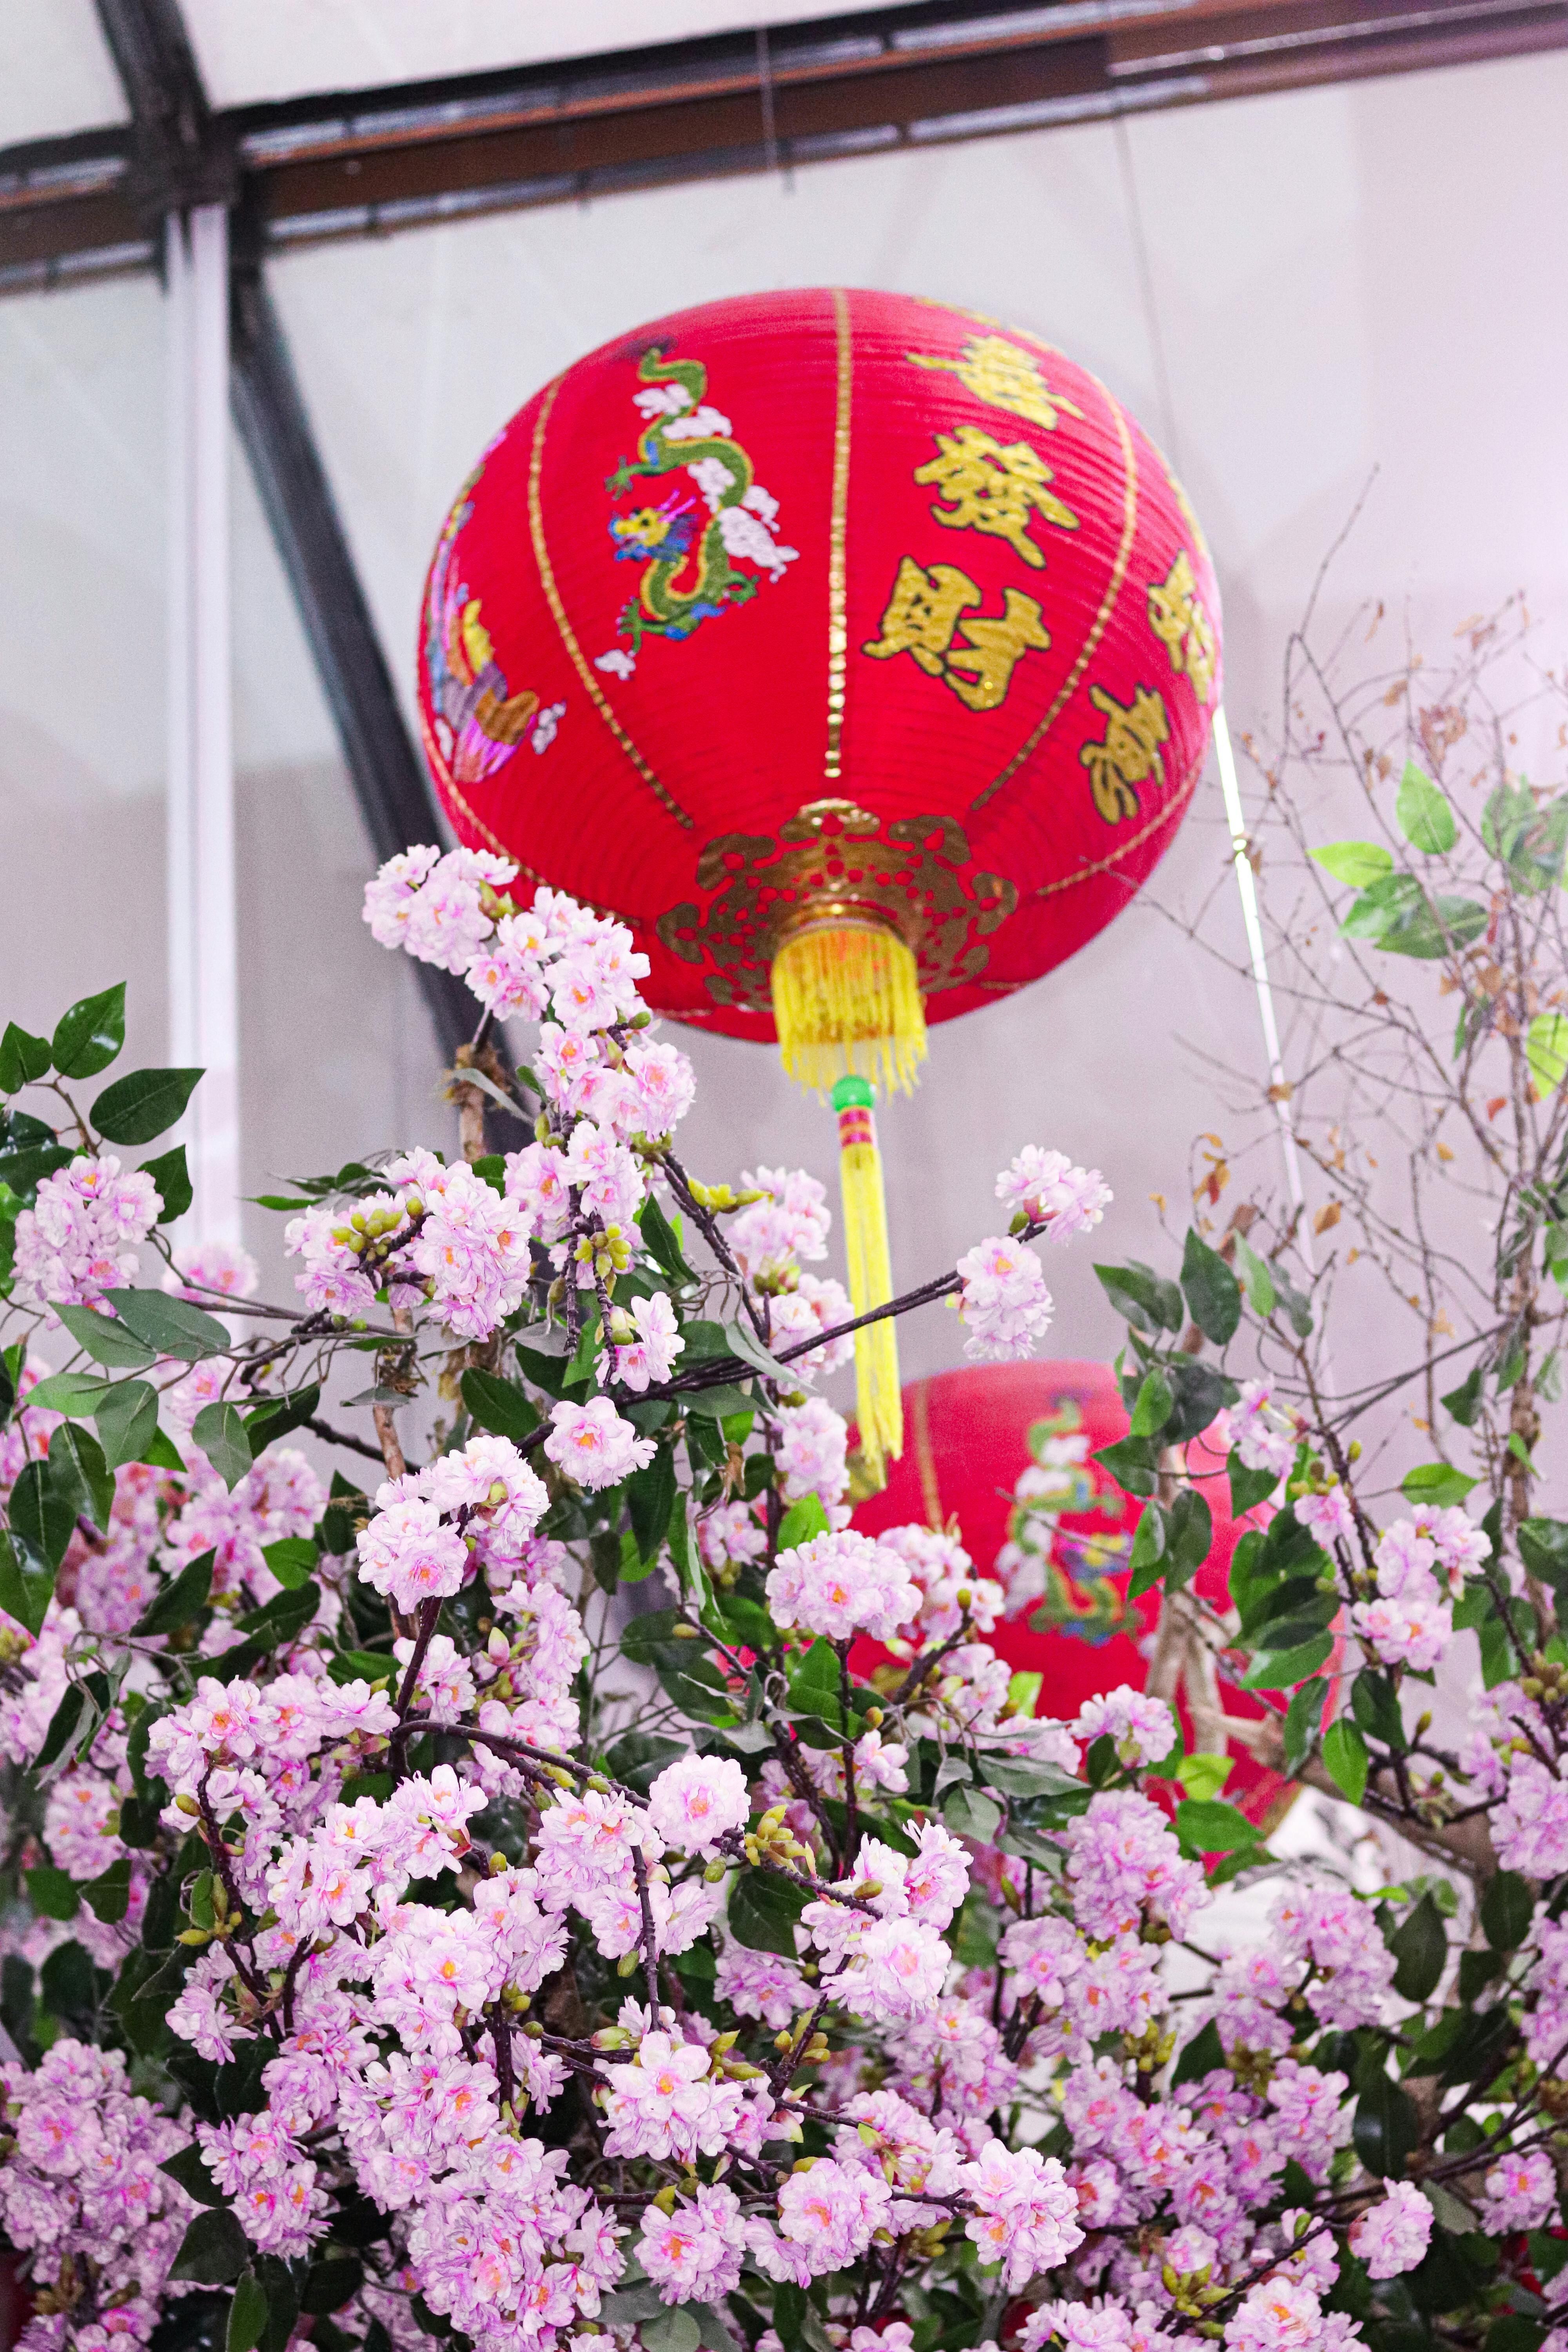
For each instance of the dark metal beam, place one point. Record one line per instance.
(933, 71)
(389, 772)
(179, 157)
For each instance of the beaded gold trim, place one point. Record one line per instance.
(838, 543)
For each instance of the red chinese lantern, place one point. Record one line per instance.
(971, 1435)
(858, 653)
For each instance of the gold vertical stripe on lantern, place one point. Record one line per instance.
(879, 1404)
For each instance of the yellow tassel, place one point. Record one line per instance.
(878, 1401)
(846, 1003)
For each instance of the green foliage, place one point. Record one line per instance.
(1211, 1290)
(90, 1034)
(1346, 1761)
(1420, 1948)
(143, 1104)
(1424, 815)
(1357, 863)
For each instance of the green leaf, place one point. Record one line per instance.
(247, 2314)
(181, 1602)
(80, 1475)
(22, 1173)
(1152, 1407)
(662, 1242)
(1204, 2055)
(1021, 1776)
(1439, 927)
(1259, 1276)
(1425, 817)
(969, 1812)
(106, 1341)
(51, 1893)
(213, 2250)
(172, 1326)
(266, 1423)
(650, 1498)
(187, 2167)
(1204, 1776)
(1375, 1704)
(90, 1034)
(108, 1897)
(292, 1560)
(1190, 1537)
(1132, 1463)
(1247, 1487)
(143, 1104)
(762, 1912)
(127, 1419)
(1303, 1720)
(76, 1717)
(172, 1180)
(1357, 863)
(285, 1617)
(1211, 1290)
(1208, 1825)
(1543, 1548)
(1278, 1671)
(1144, 1298)
(1420, 1948)
(1345, 1759)
(499, 1406)
(1508, 1907)
(801, 1522)
(42, 1518)
(1436, 1484)
(27, 1585)
(1148, 1550)
(1386, 2127)
(1465, 1401)
(68, 1393)
(1546, 1050)
(219, 1430)
(23, 1058)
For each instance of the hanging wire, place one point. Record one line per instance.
(765, 91)
(1246, 881)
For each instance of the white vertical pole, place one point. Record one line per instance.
(1246, 882)
(204, 977)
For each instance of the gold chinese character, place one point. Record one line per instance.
(1129, 754)
(922, 612)
(993, 488)
(922, 618)
(1179, 621)
(1003, 377)
(991, 649)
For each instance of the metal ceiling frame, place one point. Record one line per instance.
(369, 162)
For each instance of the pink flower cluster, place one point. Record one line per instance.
(1123, 1862)
(1411, 1623)
(483, 1502)
(83, 1237)
(592, 1444)
(1049, 1190)
(1263, 1432)
(840, 1585)
(84, 2184)
(1003, 1303)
